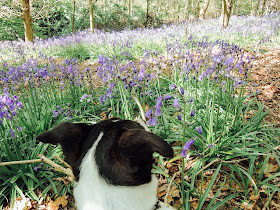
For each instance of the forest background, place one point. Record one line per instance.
(50, 18)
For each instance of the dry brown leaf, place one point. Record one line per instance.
(271, 167)
(62, 200)
(169, 199)
(63, 179)
(103, 115)
(54, 205)
(194, 204)
(175, 193)
(268, 91)
(254, 197)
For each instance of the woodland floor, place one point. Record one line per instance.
(264, 78)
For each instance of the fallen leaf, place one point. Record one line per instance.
(268, 91)
(254, 197)
(103, 115)
(63, 179)
(54, 205)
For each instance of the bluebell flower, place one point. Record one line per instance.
(176, 102)
(182, 91)
(157, 112)
(179, 117)
(152, 121)
(187, 147)
(199, 130)
(167, 97)
(12, 134)
(83, 97)
(172, 87)
(192, 113)
(148, 114)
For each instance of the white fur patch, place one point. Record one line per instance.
(93, 193)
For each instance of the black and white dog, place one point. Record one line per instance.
(112, 162)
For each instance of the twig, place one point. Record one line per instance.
(208, 165)
(67, 171)
(234, 161)
(21, 162)
(140, 107)
(62, 161)
(169, 186)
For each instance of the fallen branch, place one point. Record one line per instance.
(67, 171)
(21, 162)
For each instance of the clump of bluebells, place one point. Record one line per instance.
(133, 77)
(9, 106)
(42, 167)
(65, 111)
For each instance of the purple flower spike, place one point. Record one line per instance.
(199, 130)
(172, 87)
(167, 97)
(158, 112)
(148, 113)
(152, 121)
(187, 147)
(192, 113)
(182, 91)
(179, 117)
(83, 97)
(176, 102)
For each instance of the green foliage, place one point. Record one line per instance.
(11, 29)
(56, 23)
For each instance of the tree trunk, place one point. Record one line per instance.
(197, 9)
(147, 14)
(91, 20)
(73, 17)
(276, 6)
(263, 7)
(204, 9)
(130, 6)
(255, 5)
(27, 20)
(226, 12)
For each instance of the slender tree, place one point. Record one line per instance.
(204, 9)
(130, 7)
(263, 7)
(147, 14)
(226, 12)
(27, 21)
(91, 20)
(23, 9)
(73, 15)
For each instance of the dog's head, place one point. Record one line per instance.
(124, 154)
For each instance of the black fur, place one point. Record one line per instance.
(124, 155)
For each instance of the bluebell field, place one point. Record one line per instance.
(192, 87)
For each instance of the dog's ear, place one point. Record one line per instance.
(70, 136)
(137, 146)
(64, 133)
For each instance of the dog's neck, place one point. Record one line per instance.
(93, 192)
